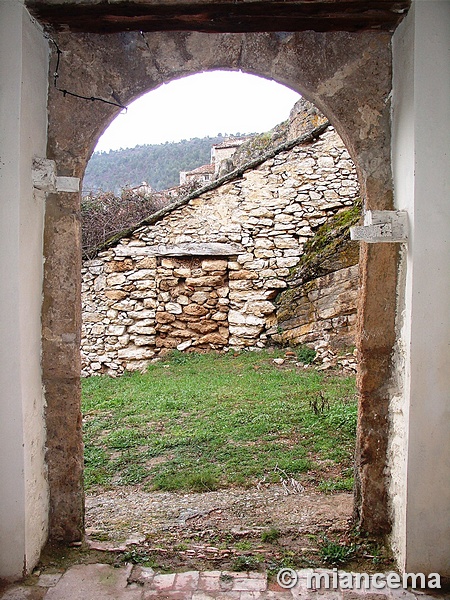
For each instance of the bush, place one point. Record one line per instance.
(104, 215)
(306, 355)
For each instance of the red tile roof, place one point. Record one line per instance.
(202, 169)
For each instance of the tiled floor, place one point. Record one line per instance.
(104, 582)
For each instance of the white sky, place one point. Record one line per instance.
(198, 106)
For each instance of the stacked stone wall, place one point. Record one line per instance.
(206, 276)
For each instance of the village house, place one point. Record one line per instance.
(219, 154)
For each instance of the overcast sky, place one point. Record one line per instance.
(198, 106)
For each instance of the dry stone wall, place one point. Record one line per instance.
(319, 306)
(206, 276)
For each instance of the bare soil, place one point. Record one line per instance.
(264, 526)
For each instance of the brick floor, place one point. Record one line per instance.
(104, 582)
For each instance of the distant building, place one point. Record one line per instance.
(145, 189)
(225, 150)
(202, 175)
(219, 153)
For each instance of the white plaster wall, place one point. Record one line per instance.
(23, 99)
(420, 469)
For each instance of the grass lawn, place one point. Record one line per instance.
(207, 421)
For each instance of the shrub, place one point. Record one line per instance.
(105, 214)
(306, 355)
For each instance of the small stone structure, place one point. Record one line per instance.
(207, 274)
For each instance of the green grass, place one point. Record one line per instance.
(206, 421)
(336, 554)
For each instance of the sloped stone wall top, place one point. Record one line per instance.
(211, 249)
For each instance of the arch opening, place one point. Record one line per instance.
(357, 106)
(240, 319)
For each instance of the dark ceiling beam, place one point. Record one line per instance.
(226, 16)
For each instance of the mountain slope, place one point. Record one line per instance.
(157, 164)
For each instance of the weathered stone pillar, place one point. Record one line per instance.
(375, 340)
(61, 326)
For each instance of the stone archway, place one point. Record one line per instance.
(348, 76)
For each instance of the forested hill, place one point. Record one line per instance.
(158, 164)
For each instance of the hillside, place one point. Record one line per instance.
(157, 164)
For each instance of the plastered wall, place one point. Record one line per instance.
(419, 456)
(23, 116)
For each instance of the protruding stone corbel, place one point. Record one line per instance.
(44, 174)
(67, 184)
(45, 178)
(382, 226)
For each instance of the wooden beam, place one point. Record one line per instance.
(225, 16)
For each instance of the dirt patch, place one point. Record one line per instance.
(117, 515)
(226, 529)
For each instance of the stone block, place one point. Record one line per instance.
(98, 330)
(115, 279)
(236, 318)
(100, 283)
(168, 263)
(164, 317)
(259, 308)
(212, 338)
(325, 162)
(116, 330)
(243, 274)
(184, 345)
(148, 262)
(195, 310)
(219, 316)
(167, 284)
(276, 283)
(263, 242)
(119, 266)
(182, 272)
(264, 253)
(206, 281)
(245, 330)
(200, 297)
(254, 320)
(181, 333)
(167, 342)
(174, 308)
(115, 294)
(240, 284)
(139, 315)
(202, 326)
(146, 284)
(143, 340)
(135, 353)
(214, 265)
(92, 317)
(142, 329)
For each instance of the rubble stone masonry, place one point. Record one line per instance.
(206, 276)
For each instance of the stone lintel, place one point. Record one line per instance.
(189, 249)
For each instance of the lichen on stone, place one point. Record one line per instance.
(329, 249)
